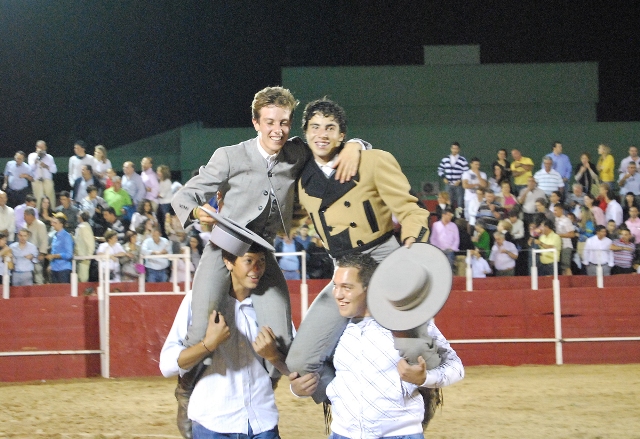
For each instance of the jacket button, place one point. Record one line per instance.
(360, 243)
(330, 228)
(347, 204)
(352, 224)
(259, 207)
(265, 193)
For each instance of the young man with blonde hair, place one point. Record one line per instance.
(256, 178)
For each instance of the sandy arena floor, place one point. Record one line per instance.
(492, 402)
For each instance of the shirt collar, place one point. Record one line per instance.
(268, 157)
(328, 168)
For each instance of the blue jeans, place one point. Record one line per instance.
(408, 436)
(156, 275)
(199, 432)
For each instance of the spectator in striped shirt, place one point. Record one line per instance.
(623, 252)
(548, 179)
(450, 170)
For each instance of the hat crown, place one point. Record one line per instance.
(412, 286)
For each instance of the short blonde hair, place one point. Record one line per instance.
(278, 96)
(445, 196)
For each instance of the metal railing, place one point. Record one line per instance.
(304, 287)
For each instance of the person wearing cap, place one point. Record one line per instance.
(376, 392)
(351, 217)
(257, 179)
(61, 250)
(235, 395)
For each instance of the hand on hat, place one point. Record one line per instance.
(413, 373)
(304, 385)
(204, 217)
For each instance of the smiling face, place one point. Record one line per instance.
(273, 128)
(324, 137)
(349, 293)
(246, 271)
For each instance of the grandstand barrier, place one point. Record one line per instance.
(502, 321)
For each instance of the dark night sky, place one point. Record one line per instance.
(116, 71)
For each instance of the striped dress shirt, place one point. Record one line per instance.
(368, 398)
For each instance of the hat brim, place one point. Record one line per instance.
(437, 266)
(233, 237)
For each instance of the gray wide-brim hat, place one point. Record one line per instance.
(409, 287)
(231, 236)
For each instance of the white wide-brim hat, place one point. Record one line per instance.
(231, 236)
(409, 287)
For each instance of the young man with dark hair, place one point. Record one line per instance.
(472, 180)
(450, 170)
(234, 398)
(352, 217)
(70, 211)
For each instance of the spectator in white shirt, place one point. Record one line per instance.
(165, 194)
(132, 183)
(112, 247)
(156, 245)
(597, 250)
(479, 265)
(7, 218)
(43, 166)
(101, 165)
(471, 207)
(472, 180)
(614, 209)
(77, 161)
(630, 180)
(632, 158)
(503, 256)
(150, 180)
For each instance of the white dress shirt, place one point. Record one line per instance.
(597, 251)
(614, 212)
(40, 173)
(367, 396)
(8, 222)
(75, 166)
(149, 246)
(502, 261)
(236, 389)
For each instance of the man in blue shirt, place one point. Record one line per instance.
(17, 175)
(61, 251)
(132, 183)
(25, 254)
(561, 162)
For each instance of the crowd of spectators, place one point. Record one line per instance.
(587, 213)
(43, 227)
